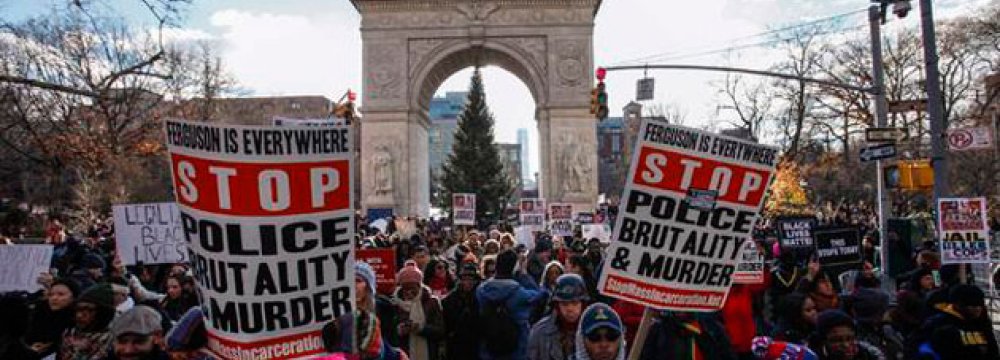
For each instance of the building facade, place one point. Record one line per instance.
(513, 161)
(522, 140)
(443, 114)
(611, 162)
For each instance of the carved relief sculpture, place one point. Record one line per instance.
(383, 169)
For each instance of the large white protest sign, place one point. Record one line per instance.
(533, 213)
(149, 234)
(20, 266)
(751, 267)
(601, 232)
(666, 253)
(266, 212)
(963, 230)
(463, 208)
(561, 219)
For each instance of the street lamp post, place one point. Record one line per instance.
(881, 116)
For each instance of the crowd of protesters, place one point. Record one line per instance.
(462, 293)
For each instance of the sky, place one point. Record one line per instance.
(308, 47)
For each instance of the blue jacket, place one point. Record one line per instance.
(520, 297)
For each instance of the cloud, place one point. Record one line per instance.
(276, 54)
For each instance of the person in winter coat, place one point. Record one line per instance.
(796, 320)
(360, 331)
(836, 339)
(438, 278)
(765, 348)
(50, 318)
(89, 338)
(738, 317)
(461, 316)
(868, 307)
(687, 336)
(600, 335)
(784, 280)
(135, 335)
(819, 287)
(631, 315)
(419, 318)
(517, 293)
(178, 301)
(90, 271)
(962, 330)
(554, 337)
(540, 257)
(552, 272)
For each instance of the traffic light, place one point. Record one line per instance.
(601, 112)
(345, 110)
(911, 175)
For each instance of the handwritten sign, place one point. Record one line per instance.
(149, 234)
(20, 266)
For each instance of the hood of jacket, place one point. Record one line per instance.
(498, 289)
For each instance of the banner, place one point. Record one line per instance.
(963, 230)
(280, 121)
(796, 233)
(666, 253)
(20, 266)
(463, 209)
(149, 234)
(751, 267)
(266, 213)
(838, 248)
(600, 232)
(561, 219)
(383, 261)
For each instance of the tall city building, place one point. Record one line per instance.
(522, 140)
(513, 162)
(443, 114)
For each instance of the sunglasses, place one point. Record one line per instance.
(606, 335)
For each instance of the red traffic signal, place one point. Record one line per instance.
(601, 73)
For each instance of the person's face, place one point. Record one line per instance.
(133, 346)
(970, 311)
(60, 297)
(177, 270)
(422, 258)
(602, 344)
(440, 270)
(927, 282)
(95, 273)
(809, 311)
(409, 291)
(85, 314)
(841, 343)
(824, 287)
(545, 256)
(467, 283)
(360, 287)
(552, 275)
(569, 311)
(173, 288)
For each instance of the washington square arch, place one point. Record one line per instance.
(411, 46)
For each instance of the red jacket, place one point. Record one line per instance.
(737, 316)
(631, 315)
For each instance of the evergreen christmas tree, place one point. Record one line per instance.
(474, 165)
(786, 194)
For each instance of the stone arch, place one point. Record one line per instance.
(409, 47)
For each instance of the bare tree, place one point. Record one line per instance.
(751, 102)
(803, 48)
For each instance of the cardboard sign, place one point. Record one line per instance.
(149, 234)
(20, 266)
(838, 248)
(796, 232)
(963, 230)
(383, 261)
(463, 208)
(600, 232)
(668, 254)
(267, 215)
(585, 218)
(751, 267)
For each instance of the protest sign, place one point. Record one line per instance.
(266, 213)
(20, 266)
(600, 232)
(963, 230)
(796, 233)
(585, 218)
(751, 267)
(561, 219)
(463, 208)
(533, 213)
(149, 234)
(378, 213)
(525, 235)
(667, 254)
(383, 261)
(838, 248)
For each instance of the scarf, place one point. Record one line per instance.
(369, 335)
(418, 347)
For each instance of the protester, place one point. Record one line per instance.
(796, 319)
(962, 330)
(631, 315)
(687, 335)
(738, 317)
(818, 286)
(784, 279)
(510, 296)
(178, 300)
(89, 338)
(418, 316)
(135, 335)
(836, 339)
(554, 336)
(437, 277)
(361, 332)
(765, 348)
(599, 336)
(51, 317)
(461, 316)
(540, 257)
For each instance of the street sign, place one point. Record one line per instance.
(973, 138)
(903, 106)
(878, 152)
(886, 134)
(644, 89)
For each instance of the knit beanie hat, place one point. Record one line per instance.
(69, 284)
(829, 319)
(409, 274)
(100, 295)
(92, 261)
(366, 272)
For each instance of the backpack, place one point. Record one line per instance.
(501, 332)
